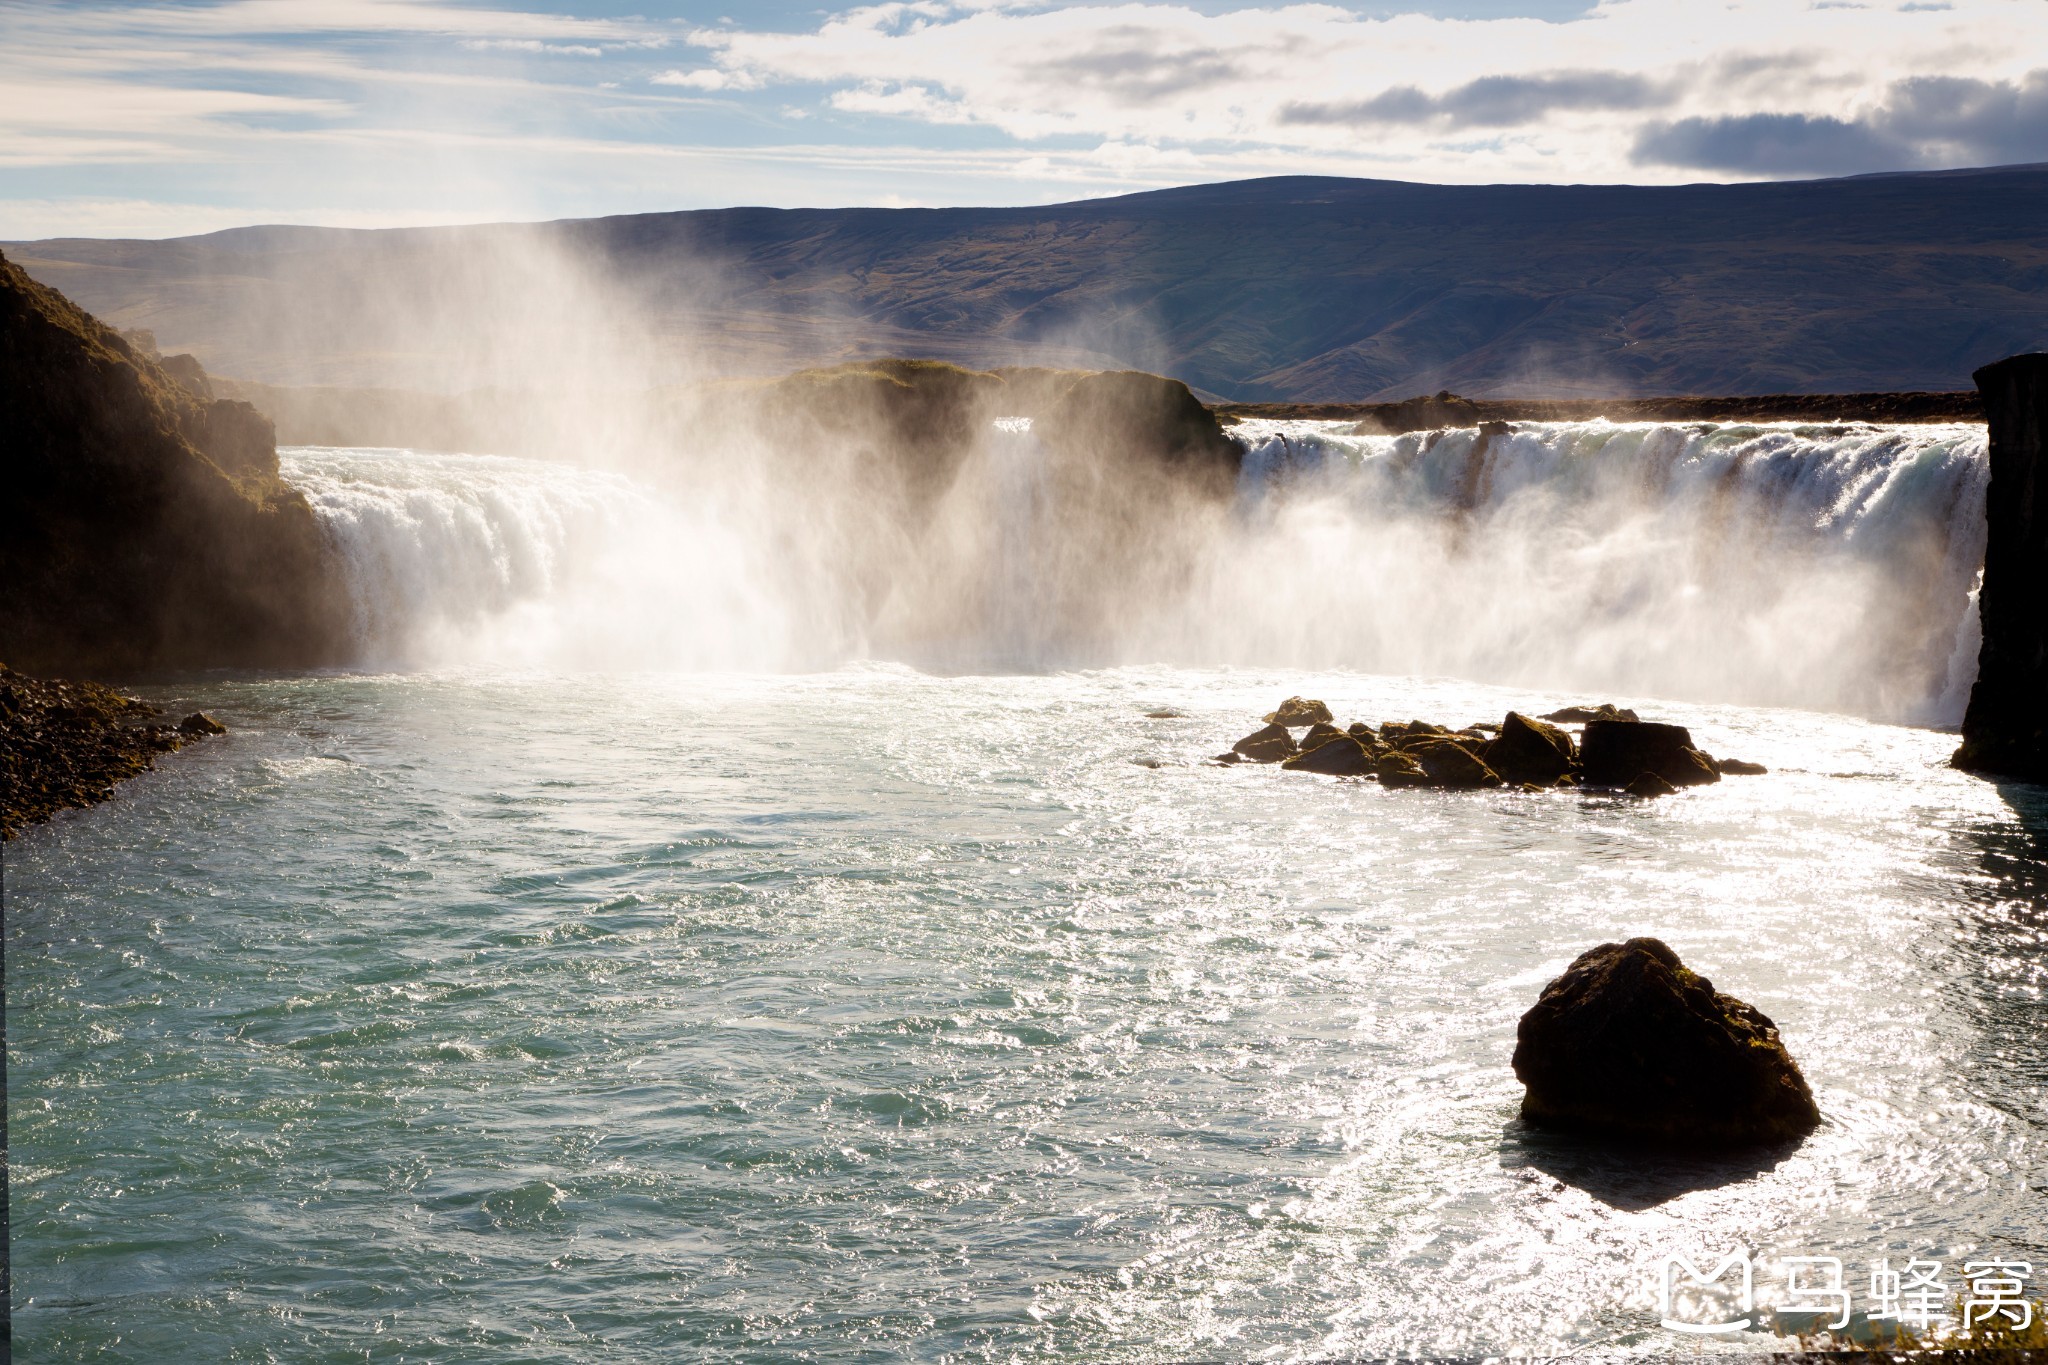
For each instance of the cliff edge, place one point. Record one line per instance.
(2005, 731)
(142, 524)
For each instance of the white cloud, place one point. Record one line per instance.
(1571, 97)
(1005, 100)
(708, 78)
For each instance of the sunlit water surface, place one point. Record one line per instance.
(873, 1015)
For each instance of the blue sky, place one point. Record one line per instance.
(174, 116)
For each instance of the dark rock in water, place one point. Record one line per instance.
(1362, 732)
(199, 723)
(1613, 753)
(67, 744)
(1630, 1043)
(1453, 765)
(1319, 734)
(1299, 711)
(1228, 758)
(1338, 756)
(1530, 751)
(1167, 713)
(1606, 710)
(1738, 768)
(2005, 729)
(1269, 745)
(1396, 769)
(1394, 731)
(1648, 785)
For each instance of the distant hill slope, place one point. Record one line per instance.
(1293, 288)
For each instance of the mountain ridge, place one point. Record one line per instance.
(1284, 289)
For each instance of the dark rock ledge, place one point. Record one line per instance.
(65, 745)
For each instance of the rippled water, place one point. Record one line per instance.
(873, 1015)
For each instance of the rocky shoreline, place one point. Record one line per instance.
(67, 745)
(1615, 750)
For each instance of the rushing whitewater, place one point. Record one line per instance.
(1830, 568)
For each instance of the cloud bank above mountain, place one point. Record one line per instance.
(159, 117)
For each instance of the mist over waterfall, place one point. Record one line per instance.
(1823, 567)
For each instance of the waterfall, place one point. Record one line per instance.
(484, 559)
(1016, 619)
(1830, 567)
(1821, 566)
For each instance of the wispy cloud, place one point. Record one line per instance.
(232, 102)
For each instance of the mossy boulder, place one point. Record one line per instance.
(1299, 711)
(1318, 734)
(1630, 1043)
(1448, 763)
(1575, 715)
(1736, 767)
(1338, 756)
(1614, 753)
(1531, 751)
(1397, 769)
(1268, 745)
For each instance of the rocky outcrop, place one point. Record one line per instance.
(1579, 715)
(1268, 745)
(1531, 751)
(1299, 711)
(1630, 1043)
(1338, 755)
(1638, 758)
(140, 525)
(2005, 729)
(1614, 753)
(65, 745)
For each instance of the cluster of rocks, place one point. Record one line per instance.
(66, 744)
(1615, 750)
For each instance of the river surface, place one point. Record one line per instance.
(873, 1015)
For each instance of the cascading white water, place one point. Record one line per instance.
(1821, 566)
(484, 559)
(1824, 567)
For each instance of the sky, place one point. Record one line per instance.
(168, 117)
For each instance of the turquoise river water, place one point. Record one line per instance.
(872, 1015)
(605, 970)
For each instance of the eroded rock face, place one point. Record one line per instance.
(1630, 1043)
(2005, 730)
(1614, 753)
(142, 526)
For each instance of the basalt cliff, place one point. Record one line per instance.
(2005, 731)
(144, 525)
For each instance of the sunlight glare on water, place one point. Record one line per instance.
(875, 1015)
